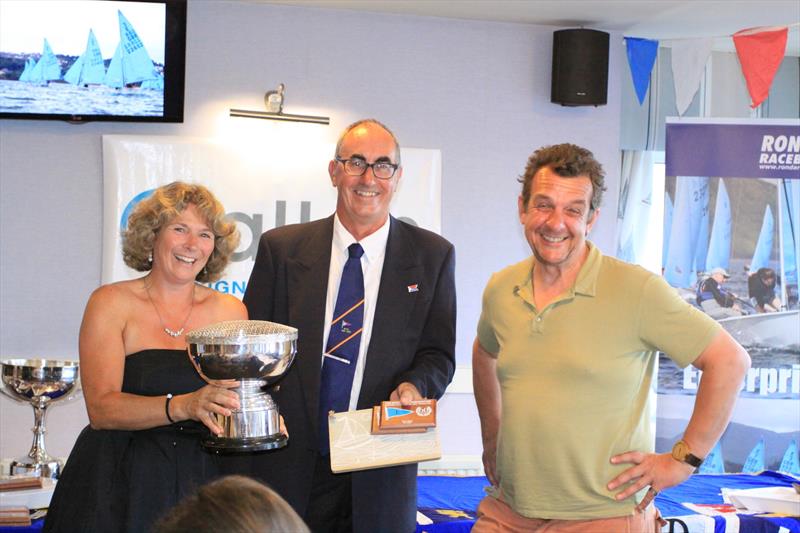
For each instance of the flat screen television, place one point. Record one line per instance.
(82, 60)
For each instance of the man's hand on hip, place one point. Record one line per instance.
(658, 471)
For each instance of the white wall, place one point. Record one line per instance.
(478, 91)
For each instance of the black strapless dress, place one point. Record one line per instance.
(125, 480)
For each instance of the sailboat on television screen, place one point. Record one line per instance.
(131, 62)
(89, 68)
(47, 68)
(26, 73)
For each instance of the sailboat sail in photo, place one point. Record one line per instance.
(667, 228)
(702, 243)
(47, 68)
(719, 248)
(713, 463)
(755, 460)
(691, 208)
(89, 67)
(790, 462)
(763, 249)
(789, 198)
(131, 62)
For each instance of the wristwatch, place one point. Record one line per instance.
(682, 453)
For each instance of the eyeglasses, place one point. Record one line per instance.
(355, 166)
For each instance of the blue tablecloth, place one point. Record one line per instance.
(36, 525)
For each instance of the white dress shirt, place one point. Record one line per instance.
(374, 247)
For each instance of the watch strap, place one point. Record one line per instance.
(681, 452)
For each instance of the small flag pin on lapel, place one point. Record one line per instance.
(413, 288)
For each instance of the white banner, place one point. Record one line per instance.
(261, 186)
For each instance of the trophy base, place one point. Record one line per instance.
(242, 445)
(27, 466)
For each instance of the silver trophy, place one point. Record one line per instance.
(40, 383)
(255, 353)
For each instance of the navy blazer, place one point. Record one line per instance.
(413, 339)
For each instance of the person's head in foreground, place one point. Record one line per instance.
(233, 504)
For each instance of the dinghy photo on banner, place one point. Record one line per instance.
(732, 200)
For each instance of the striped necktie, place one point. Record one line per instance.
(344, 340)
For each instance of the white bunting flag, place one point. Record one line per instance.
(689, 58)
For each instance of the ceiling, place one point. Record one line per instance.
(655, 19)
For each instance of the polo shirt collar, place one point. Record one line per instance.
(585, 284)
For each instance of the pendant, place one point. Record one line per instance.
(173, 334)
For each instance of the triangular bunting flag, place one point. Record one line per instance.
(760, 54)
(641, 57)
(689, 58)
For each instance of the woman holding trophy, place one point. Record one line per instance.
(148, 407)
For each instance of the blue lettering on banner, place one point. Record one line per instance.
(224, 286)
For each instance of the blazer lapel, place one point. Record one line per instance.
(307, 279)
(401, 269)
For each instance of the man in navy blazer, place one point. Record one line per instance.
(407, 345)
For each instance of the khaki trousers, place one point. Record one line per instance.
(494, 516)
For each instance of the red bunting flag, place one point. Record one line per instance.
(760, 54)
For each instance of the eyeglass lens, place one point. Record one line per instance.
(357, 167)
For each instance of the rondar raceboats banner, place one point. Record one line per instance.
(734, 189)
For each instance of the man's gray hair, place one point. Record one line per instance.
(361, 122)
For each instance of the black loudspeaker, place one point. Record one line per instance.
(580, 67)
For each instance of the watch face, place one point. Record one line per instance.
(680, 451)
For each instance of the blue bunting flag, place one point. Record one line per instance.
(641, 57)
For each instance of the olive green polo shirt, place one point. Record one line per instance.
(575, 380)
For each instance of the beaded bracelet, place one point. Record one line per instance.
(166, 408)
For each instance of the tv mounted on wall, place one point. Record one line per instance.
(82, 60)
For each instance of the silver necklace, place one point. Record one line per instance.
(172, 333)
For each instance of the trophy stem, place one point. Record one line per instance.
(255, 426)
(38, 451)
(37, 461)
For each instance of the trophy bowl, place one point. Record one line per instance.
(39, 383)
(255, 353)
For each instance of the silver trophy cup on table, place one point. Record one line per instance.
(255, 353)
(40, 383)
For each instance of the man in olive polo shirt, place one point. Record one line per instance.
(563, 363)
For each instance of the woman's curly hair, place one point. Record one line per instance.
(156, 211)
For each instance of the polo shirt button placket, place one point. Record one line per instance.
(537, 324)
